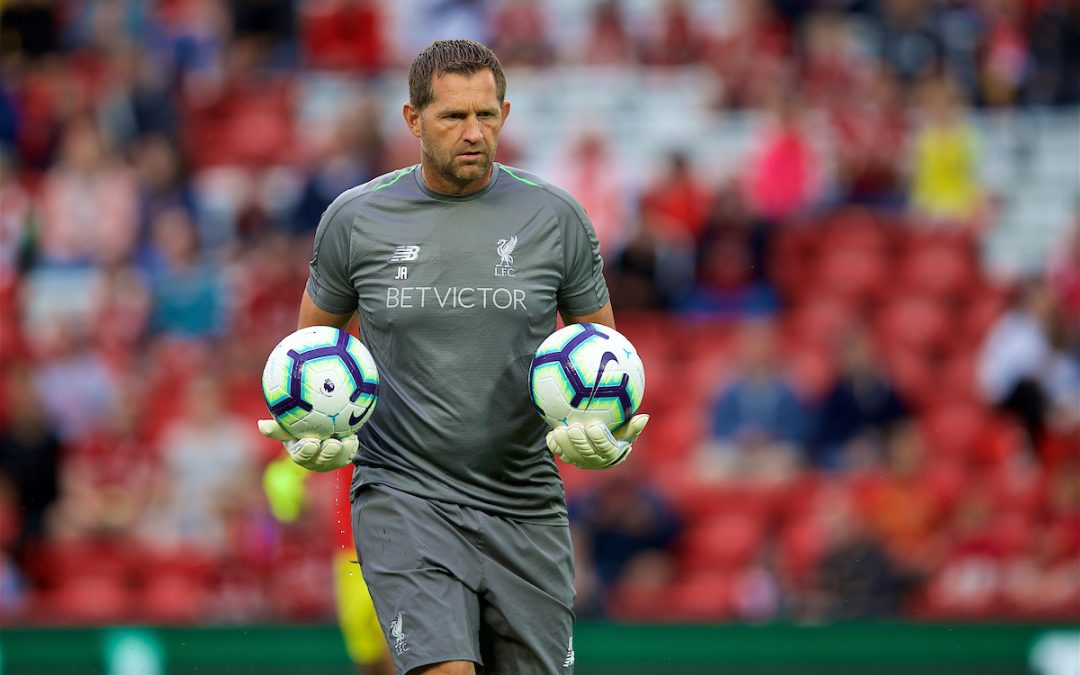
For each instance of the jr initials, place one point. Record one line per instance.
(402, 273)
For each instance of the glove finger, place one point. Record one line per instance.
(271, 429)
(350, 445)
(579, 440)
(329, 450)
(304, 451)
(632, 429)
(559, 444)
(602, 440)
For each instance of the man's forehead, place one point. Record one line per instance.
(450, 87)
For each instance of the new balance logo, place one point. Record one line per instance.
(569, 660)
(405, 254)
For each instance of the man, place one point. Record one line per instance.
(458, 512)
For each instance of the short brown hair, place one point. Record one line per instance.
(465, 57)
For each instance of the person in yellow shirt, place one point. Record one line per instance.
(945, 186)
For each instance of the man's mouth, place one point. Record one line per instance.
(471, 155)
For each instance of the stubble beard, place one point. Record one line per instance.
(446, 169)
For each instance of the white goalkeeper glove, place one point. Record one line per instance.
(311, 453)
(595, 446)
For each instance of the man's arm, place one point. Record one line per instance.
(312, 315)
(603, 316)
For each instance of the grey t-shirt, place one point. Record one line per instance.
(454, 295)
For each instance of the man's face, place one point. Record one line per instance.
(459, 131)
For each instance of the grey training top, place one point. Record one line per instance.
(454, 295)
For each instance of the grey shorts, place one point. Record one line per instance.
(451, 583)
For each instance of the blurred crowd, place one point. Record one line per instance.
(851, 416)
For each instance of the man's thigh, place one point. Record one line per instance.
(527, 615)
(423, 576)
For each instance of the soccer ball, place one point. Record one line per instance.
(320, 383)
(586, 373)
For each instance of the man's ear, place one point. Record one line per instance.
(412, 118)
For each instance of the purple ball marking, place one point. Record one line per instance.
(295, 397)
(581, 391)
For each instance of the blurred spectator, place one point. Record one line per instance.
(902, 507)
(73, 384)
(592, 171)
(673, 38)
(623, 532)
(30, 460)
(828, 65)
(1003, 67)
(103, 24)
(1055, 51)
(750, 54)
(1019, 369)
(654, 269)
(108, 476)
(30, 29)
(855, 577)
(346, 35)
(758, 422)
(16, 221)
(907, 40)
(944, 182)
(731, 278)
(607, 40)
(136, 99)
(352, 157)
(783, 175)
(188, 292)
(520, 34)
(680, 199)
(859, 411)
(210, 477)
(869, 136)
(449, 19)
(269, 26)
(88, 202)
(163, 181)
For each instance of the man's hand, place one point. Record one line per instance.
(311, 453)
(594, 446)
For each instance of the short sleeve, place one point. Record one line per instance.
(329, 283)
(583, 289)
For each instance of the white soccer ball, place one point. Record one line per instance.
(586, 373)
(320, 383)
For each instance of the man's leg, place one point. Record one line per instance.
(423, 575)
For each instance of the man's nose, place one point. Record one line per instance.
(472, 132)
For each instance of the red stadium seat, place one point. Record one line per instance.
(725, 542)
(915, 322)
(800, 547)
(172, 599)
(94, 600)
(701, 597)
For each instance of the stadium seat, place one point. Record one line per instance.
(799, 548)
(915, 322)
(172, 599)
(706, 596)
(723, 543)
(89, 600)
